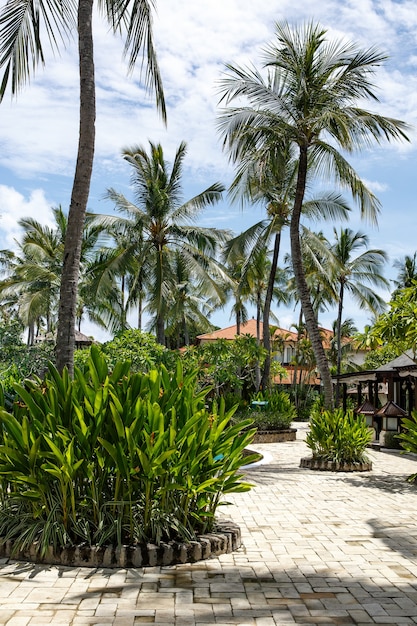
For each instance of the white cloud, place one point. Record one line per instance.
(15, 206)
(193, 42)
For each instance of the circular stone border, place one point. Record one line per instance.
(224, 539)
(333, 466)
(275, 436)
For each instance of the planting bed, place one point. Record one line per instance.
(275, 436)
(332, 466)
(225, 539)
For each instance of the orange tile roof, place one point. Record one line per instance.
(249, 328)
(230, 331)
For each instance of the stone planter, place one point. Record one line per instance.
(225, 539)
(332, 466)
(274, 436)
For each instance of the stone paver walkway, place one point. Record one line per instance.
(319, 548)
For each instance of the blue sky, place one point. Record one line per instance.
(38, 129)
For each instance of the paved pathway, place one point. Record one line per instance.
(319, 548)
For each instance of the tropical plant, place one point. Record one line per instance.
(348, 346)
(304, 396)
(190, 307)
(355, 275)
(21, 33)
(310, 103)
(268, 176)
(229, 366)
(338, 437)
(139, 348)
(408, 438)
(32, 275)
(115, 457)
(278, 414)
(407, 271)
(162, 221)
(397, 327)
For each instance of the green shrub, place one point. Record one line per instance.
(338, 437)
(392, 441)
(304, 398)
(408, 438)
(278, 413)
(115, 457)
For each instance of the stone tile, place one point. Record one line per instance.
(319, 548)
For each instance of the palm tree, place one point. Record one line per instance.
(189, 308)
(21, 24)
(269, 177)
(348, 341)
(33, 274)
(161, 219)
(356, 275)
(407, 271)
(311, 103)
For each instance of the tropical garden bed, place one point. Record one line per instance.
(116, 467)
(271, 414)
(224, 538)
(338, 441)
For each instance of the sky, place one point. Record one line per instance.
(194, 41)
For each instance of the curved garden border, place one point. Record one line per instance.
(333, 466)
(226, 538)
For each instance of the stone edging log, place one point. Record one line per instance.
(333, 466)
(226, 538)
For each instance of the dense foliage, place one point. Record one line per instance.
(338, 437)
(230, 366)
(17, 360)
(136, 346)
(408, 438)
(115, 457)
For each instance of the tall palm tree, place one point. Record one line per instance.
(356, 275)
(311, 102)
(22, 27)
(162, 220)
(268, 177)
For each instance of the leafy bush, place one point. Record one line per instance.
(392, 441)
(115, 457)
(228, 366)
(408, 438)
(338, 437)
(304, 398)
(136, 346)
(278, 413)
(25, 362)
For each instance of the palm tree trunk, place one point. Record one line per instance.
(266, 374)
(186, 333)
(339, 343)
(302, 287)
(160, 329)
(140, 306)
(123, 320)
(80, 191)
(160, 316)
(297, 346)
(31, 334)
(238, 319)
(258, 339)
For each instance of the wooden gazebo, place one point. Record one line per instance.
(390, 390)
